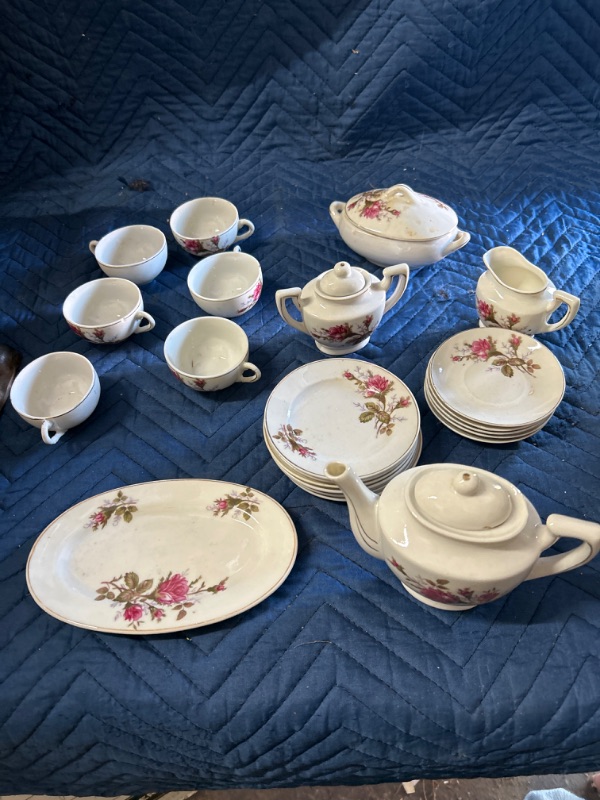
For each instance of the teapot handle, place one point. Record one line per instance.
(572, 304)
(558, 525)
(403, 272)
(281, 297)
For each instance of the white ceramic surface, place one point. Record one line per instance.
(226, 284)
(458, 536)
(393, 225)
(208, 225)
(162, 557)
(209, 354)
(341, 308)
(516, 294)
(497, 377)
(55, 393)
(107, 310)
(345, 409)
(135, 252)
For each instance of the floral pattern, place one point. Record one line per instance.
(382, 402)
(372, 206)
(507, 359)
(292, 440)
(138, 600)
(200, 247)
(487, 313)
(439, 592)
(344, 333)
(253, 299)
(199, 383)
(242, 504)
(119, 508)
(97, 334)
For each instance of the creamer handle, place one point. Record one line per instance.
(281, 297)
(558, 525)
(572, 304)
(403, 272)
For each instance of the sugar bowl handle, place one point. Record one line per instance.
(281, 298)
(402, 271)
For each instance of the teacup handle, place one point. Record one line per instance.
(92, 245)
(281, 298)
(247, 233)
(572, 304)
(143, 315)
(247, 366)
(47, 436)
(558, 525)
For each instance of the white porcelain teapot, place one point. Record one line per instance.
(458, 536)
(342, 307)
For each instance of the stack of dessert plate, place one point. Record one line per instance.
(494, 386)
(342, 410)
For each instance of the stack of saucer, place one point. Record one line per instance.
(496, 386)
(342, 410)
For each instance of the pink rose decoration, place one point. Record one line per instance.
(133, 613)
(158, 613)
(371, 211)
(221, 504)
(456, 358)
(481, 348)
(257, 291)
(515, 341)
(486, 597)
(484, 308)
(348, 375)
(440, 595)
(172, 590)
(339, 332)
(376, 384)
(404, 402)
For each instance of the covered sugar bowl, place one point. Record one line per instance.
(342, 307)
(387, 226)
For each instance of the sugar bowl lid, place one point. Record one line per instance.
(401, 213)
(341, 281)
(466, 503)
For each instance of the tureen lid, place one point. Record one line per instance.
(467, 503)
(341, 281)
(401, 213)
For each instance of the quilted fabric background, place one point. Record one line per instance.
(282, 107)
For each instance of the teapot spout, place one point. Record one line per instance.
(362, 507)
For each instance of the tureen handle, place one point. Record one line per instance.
(410, 196)
(460, 240)
(402, 271)
(558, 525)
(336, 210)
(281, 297)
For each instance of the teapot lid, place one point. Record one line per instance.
(401, 213)
(341, 281)
(467, 503)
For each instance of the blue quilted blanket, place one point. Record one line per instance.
(339, 677)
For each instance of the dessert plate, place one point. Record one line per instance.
(162, 556)
(502, 379)
(343, 410)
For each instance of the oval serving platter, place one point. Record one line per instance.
(162, 556)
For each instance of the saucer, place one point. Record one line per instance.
(503, 379)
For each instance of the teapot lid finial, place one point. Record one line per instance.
(341, 281)
(466, 503)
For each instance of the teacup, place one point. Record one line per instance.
(107, 310)
(136, 252)
(209, 353)
(226, 284)
(208, 225)
(56, 392)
